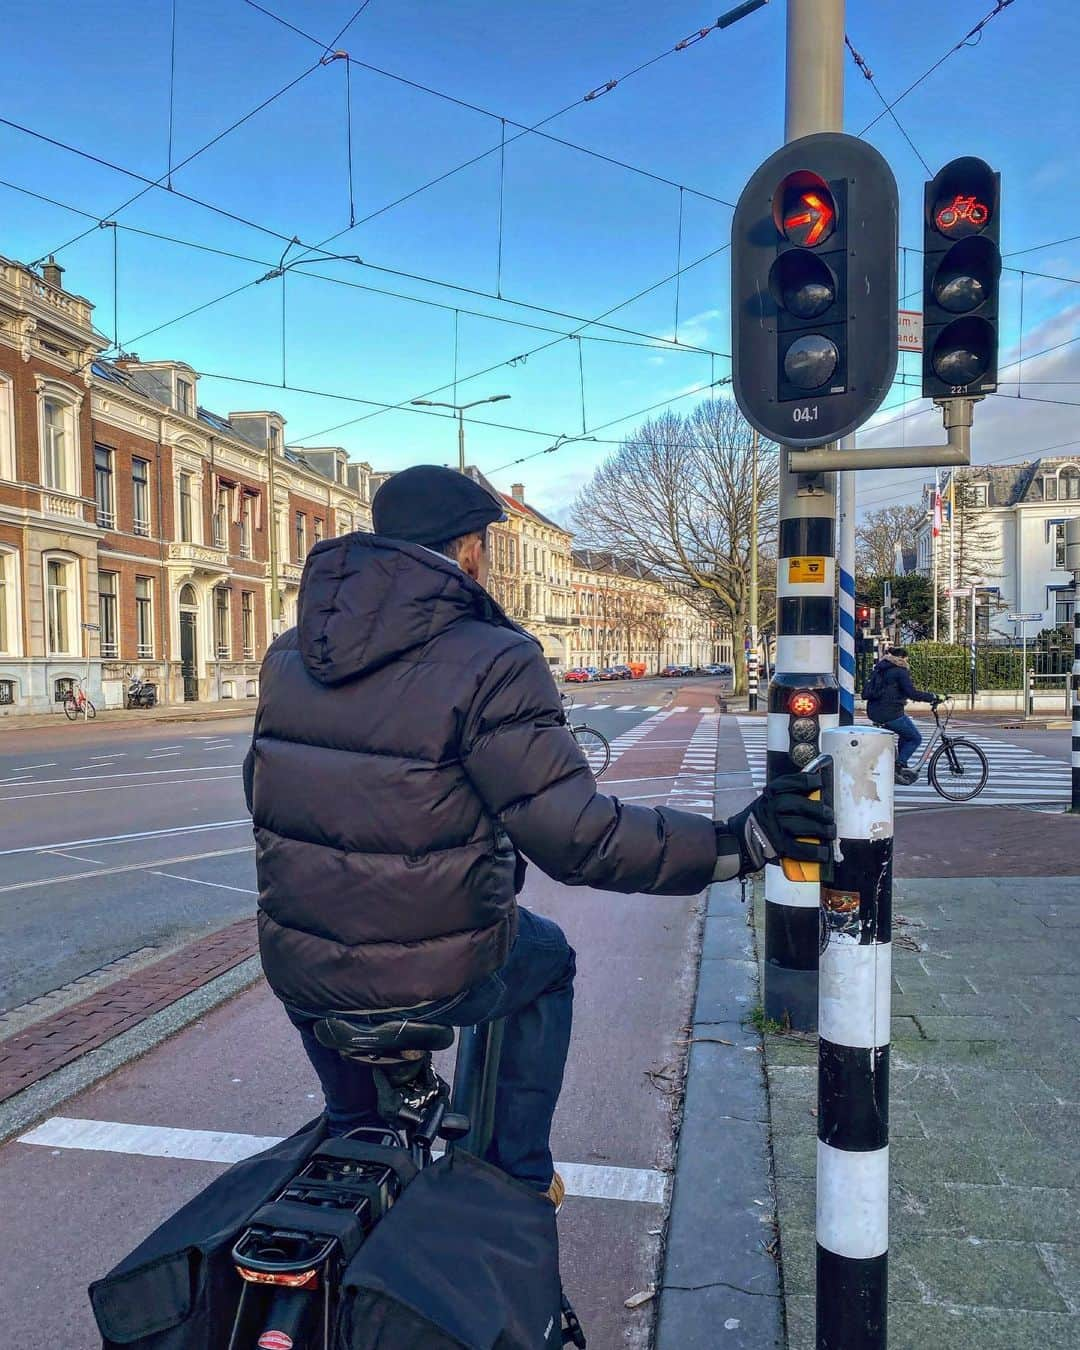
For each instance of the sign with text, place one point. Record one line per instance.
(910, 330)
(806, 570)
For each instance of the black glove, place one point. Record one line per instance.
(769, 828)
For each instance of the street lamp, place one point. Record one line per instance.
(460, 409)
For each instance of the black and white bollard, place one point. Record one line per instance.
(854, 1007)
(1072, 561)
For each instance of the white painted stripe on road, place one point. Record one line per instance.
(220, 885)
(124, 787)
(121, 838)
(25, 768)
(59, 853)
(134, 773)
(644, 1185)
(165, 754)
(155, 748)
(126, 867)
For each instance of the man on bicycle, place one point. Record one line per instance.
(410, 752)
(888, 691)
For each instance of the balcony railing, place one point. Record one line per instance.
(61, 504)
(198, 555)
(141, 527)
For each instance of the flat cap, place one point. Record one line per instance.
(429, 505)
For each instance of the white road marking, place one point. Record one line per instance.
(59, 853)
(126, 867)
(155, 748)
(131, 773)
(120, 838)
(25, 768)
(640, 1184)
(173, 876)
(164, 754)
(125, 787)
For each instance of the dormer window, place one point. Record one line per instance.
(1069, 484)
(185, 397)
(978, 494)
(275, 438)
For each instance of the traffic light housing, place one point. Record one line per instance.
(961, 280)
(814, 289)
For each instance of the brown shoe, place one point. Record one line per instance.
(556, 1192)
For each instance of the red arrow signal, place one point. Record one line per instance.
(813, 212)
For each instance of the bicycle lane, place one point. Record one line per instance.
(88, 1190)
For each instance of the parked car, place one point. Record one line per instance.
(611, 673)
(676, 672)
(716, 668)
(577, 675)
(623, 672)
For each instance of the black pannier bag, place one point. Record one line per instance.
(466, 1259)
(178, 1290)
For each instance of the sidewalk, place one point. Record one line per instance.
(985, 1092)
(178, 712)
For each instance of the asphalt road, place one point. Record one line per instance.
(152, 846)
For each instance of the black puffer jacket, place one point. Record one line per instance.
(892, 687)
(409, 745)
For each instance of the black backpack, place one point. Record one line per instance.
(874, 687)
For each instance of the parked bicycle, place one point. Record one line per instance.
(291, 1258)
(957, 768)
(77, 705)
(594, 744)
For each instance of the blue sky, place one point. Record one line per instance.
(579, 235)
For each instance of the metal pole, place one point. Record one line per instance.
(935, 544)
(1023, 661)
(805, 609)
(752, 655)
(853, 1046)
(952, 561)
(846, 565)
(271, 525)
(1072, 560)
(461, 440)
(971, 653)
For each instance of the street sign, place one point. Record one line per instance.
(910, 330)
(814, 289)
(957, 592)
(92, 627)
(1025, 618)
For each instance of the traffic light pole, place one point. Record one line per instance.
(1072, 561)
(846, 590)
(807, 509)
(752, 655)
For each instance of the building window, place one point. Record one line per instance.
(221, 517)
(978, 494)
(246, 512)
(1063, 608)
(222, 643)
(1057, 538)
(62, 687)
(275, 439)
(140, 496)
(187, 516)
(1069, 485)
(107, 615)
(58, 448)
(61, 579)
(1050, 489)
(317, 529)
(7, 691)
(144, 616)
(9, 604)
(301, 536)
(345, 522)
(247, 623)
(7, 429)
(103, 487)
(185, 397)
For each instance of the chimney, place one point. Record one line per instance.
(517, 491)
(52, 273)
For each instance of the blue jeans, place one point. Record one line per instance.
(534, 992)
(910, 739)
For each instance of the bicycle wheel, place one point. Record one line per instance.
(91, 711)
(958, 770)
(595, 747)
(71, 708)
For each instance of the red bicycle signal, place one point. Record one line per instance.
(962, 209)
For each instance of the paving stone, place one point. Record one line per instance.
(1024, 1162)
(913, 1326)
(975, 1272)
(1054, 1125)
(795, 1050)
(1022, 1213)
(1063, 1263)
(916, 1161)
(725, 990)
(719, 1318)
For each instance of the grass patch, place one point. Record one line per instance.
(767, 1026)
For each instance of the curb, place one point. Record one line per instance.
(122, 716)
(26, 1108)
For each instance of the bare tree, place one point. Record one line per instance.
(878, 535)
(677, 497)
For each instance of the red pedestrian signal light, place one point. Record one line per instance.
(862, 614)
(962, 267)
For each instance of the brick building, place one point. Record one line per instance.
(137, 535)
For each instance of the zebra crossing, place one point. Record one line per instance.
(1018, 776)
(695, 783)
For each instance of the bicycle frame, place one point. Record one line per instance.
(930, 745)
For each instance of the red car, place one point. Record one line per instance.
(577, 675)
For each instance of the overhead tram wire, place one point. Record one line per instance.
(975, 32)
(869, 75)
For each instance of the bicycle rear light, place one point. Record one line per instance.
(304, 1279)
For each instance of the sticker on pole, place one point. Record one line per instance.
(803, 571)
(275, 1340)
(910, 330)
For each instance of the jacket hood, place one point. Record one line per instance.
(366, 600)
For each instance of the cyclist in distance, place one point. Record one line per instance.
(887, 693)
(410, 753)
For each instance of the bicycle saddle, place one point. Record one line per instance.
(397, 1039)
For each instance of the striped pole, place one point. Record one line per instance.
(853, 1046)
(752, 674)
(1072, 559)
(805, 587)
(846, 563)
